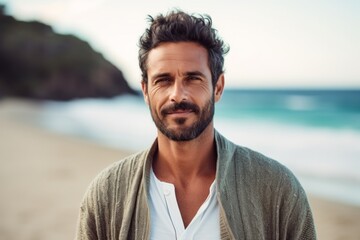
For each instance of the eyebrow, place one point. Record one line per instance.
(187, 74)
(160, 75)
(194, 73)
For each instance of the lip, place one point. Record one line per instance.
(180, 112)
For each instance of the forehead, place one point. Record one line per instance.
(187, 56)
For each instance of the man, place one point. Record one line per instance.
(192, 183)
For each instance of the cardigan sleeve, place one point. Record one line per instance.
(297, 220)
(108, 209)
(88, 227)
(95, 209)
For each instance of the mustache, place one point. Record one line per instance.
(180, 106)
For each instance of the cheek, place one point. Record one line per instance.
(155, 92)
(206, 88)
(155, 100)
(158, 95)
(203, 93)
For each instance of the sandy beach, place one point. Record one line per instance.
(44, 176)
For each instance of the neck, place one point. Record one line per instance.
(184, 161)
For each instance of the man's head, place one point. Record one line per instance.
(179, 26)
(181, 58)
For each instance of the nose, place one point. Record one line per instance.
(179, 92)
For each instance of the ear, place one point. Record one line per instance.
(145, 91)
(219, 87)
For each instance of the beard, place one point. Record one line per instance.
(204, 118)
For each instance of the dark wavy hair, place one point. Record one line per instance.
(178, 26)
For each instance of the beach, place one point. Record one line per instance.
(44, 176)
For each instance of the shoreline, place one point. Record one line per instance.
(44, 176)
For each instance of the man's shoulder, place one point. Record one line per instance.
(126, 165)
(252, 163)
(268, 170)
(256, 159)
(123, 170)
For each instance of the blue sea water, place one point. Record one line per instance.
(313, 108)
(315, 133)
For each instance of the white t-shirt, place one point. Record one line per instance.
(166, 220)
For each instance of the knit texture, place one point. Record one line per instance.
(259, 198)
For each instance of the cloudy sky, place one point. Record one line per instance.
(304, 43)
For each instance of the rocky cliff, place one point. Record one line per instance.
(36, 62)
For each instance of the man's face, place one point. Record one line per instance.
(179, 91)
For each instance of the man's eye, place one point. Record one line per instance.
(161, 81)
(193, 78)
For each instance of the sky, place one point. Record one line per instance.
(273, 44)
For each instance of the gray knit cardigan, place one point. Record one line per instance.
(259, 198)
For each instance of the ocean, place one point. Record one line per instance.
(315, 133)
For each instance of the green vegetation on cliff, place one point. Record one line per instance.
(36, 62)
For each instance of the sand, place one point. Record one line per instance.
(44, 175)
